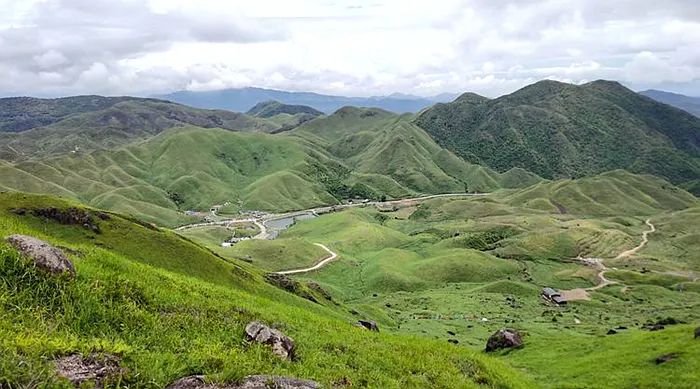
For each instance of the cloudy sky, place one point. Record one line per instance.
(353, 47)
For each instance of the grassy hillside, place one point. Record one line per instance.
(458, 269)
(560, 130)
(169, 308)
(77, 126)
(268, 109)
(353, 153)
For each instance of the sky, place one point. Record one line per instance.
(354, 47)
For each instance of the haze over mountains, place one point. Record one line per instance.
(686, 103)
(243, 99)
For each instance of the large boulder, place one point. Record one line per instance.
(44, 255)
(503, 339)
(250, 382)
(369, 325)
(282, 345)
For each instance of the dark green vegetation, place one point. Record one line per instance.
(461, 268)
(561, 130)
(45, 128)
(382, 154)
(686, 103)
(170, 308)
(268, 109)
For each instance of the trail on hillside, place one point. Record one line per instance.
(582, 293)
(331, 256)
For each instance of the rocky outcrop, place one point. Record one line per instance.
(504, 339)
(368, 324)
(250, 382)
(95, 369)
(45, 256)
(282, 345)
(72, 216)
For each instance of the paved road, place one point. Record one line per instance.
(331, 256)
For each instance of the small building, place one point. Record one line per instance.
(553, 295)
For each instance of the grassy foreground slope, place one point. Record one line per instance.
(459, 269)
(170, 308)
(379, 155)
(560, 130)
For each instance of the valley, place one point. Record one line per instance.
(389, 247)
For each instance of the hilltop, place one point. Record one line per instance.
(270, 108)
(47, 127)
(363, 153)
(559, 130)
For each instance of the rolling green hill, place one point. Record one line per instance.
(82, 124)
(380, 154)
(561, 130)
(459, 269)
(268, 109)
(168, 308)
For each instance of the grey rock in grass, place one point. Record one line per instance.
(697, 333)
(44, 255)
(665, 358)
(503, 339)
(250, 382)
(282, 345)
(95, 368)
(368, 324)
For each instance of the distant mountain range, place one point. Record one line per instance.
(559, 130)
(243, 99)
(686, 103)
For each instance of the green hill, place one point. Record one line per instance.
(83, 124)
(268, 109)
(168, 308)
(352, 153)
(559, 130)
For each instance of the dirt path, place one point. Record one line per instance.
(582, 293)
(331, 256)
(645, 239)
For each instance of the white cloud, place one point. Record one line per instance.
(363, 47)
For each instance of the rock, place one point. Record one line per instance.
(95, 368)
(74, 216)
(282, 345)
(450, 332)
(368, 324)
(453, 341)
(44, 255)
(665, 358)
(504, 338)
(250, 382)
(611, 332)
(653, 327)
(697, 333)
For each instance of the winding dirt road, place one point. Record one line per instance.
(582, 293)
(331, 256)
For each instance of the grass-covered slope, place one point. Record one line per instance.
(459, 269)
(561, 130)
(353, 153)
(268, 109)
(82, 124)
(169, 308)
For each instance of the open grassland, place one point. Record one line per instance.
(170, 308)
(459, 269)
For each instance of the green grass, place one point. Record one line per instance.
(170, 308)
(448, 264)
